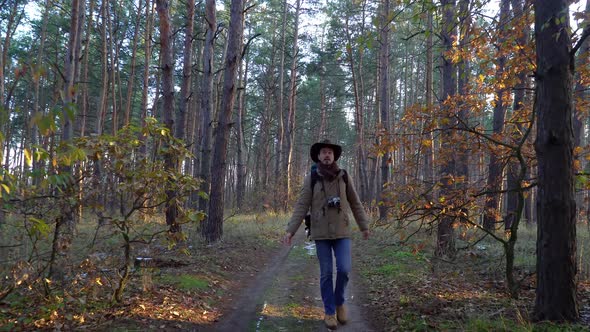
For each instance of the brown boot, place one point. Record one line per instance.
(330, 321)
(341, 314)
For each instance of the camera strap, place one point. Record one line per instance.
(315, 177)
(326, 195)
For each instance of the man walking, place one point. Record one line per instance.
(329, 194)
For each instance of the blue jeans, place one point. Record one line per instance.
(333, 296)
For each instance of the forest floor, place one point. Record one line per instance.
(250, 282)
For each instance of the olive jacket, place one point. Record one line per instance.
(328, 222)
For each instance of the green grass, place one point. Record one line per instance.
(297, 278)
(396, 263)
(481, 324)
(412, 322)
(414, 277)
(185, 281)
(400, 254)
(389, 270)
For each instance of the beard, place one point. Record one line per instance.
(329, 171)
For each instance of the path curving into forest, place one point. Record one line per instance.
(285, 296)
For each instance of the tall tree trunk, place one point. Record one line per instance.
(580, 97)
(167, 63)
(384, 101)
(281, 161)
(290, 119)
(66, 223)
(131, 80)
(84, 102)
(184, 104)
(104, 91)
(37, 85)
(512, 197)
(492, 214)
(185, 88)
(195, 126)
(206, 101)
(148, 59)
(10, 29)
(462, 166)
(113, 65)
(5, 123)
(241, 164)
(445, 245)
(357, 87)
(556, 208)
(428, 140)
(580, 92)
(213, 227)
(323, 106)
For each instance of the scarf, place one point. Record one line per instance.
(329, 172)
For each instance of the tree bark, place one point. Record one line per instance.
(290, 118)
(358, 90)
(38, 164)
(556, 232)
(384, 102)
(206, 101)
(213, 227)
(462, 166)
(185, 88)
(580, 98)
(445, 245)
(281, 145)
(167, 65)
(241, 163)
(148, 59)
(10, 29)
(580, 92)
(66, 224)
(494, 183)
(113, 66)
(428, 140)
(13, 22)
(131, 80)
(104, 91)
(512, 197)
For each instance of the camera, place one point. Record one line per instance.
(334, 202)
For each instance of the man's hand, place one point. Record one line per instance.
(365, 234)
(287, 238)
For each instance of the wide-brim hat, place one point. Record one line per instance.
(315, 149)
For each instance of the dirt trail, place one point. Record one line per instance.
(285, 296)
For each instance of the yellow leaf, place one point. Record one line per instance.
(6, 188)
(54, 162)
(28, 157)
(98, 281)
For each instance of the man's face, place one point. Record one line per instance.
(326, 156)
